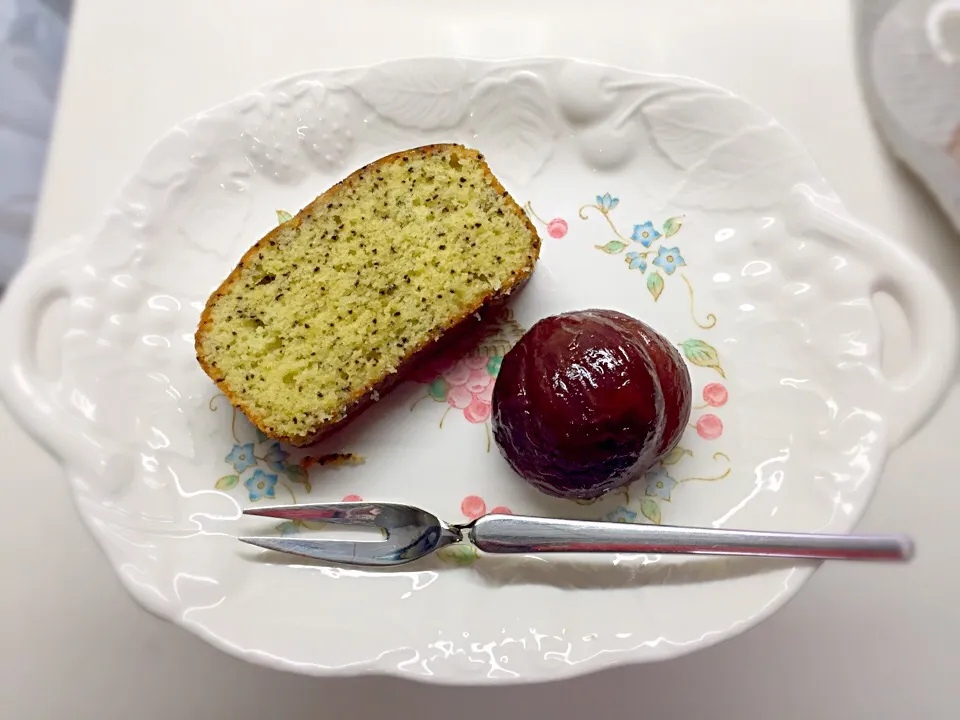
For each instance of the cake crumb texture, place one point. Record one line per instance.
(323, 311)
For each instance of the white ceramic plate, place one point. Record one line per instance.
(659, 196)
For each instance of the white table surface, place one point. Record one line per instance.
(858, 641)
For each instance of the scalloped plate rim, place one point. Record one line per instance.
(796, 579)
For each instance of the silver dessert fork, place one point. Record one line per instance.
(411, 533)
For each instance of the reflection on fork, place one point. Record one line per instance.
(412, 533)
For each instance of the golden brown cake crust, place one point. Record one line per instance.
(451, 332)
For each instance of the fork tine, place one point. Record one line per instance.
(410, 532)
(339, 551)
(346, 513)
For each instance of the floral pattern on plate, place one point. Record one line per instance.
(643, 500)
(725, 166)
(274, 467)
(645, 248)
(465, 383)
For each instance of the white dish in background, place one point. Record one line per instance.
(909, 63)
(772, 304)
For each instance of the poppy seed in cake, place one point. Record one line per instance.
(312, 299)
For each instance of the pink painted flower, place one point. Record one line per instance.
(473, 506)
(715, 394)
(477, 411)
(476, 362)
(709, 427)
(502, 510)
(486, 395)
(351, 498)
(457, 374)
(478, 380)
(459, 397)
(557, 228)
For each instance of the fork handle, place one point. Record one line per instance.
(521, 534)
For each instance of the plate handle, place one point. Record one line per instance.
(917, 392)
(35, 401)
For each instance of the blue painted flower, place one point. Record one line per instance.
(607, 203)
(669, 259)
(241, 457)
(621, 514)
(660, 485)
(261, 485)
(635, 261)
(645, 234)
(275, 457)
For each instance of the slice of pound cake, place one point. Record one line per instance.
(328, 310)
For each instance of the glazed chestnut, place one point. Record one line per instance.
(587, 401)
(674, 383)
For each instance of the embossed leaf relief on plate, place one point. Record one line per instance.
(720, 233)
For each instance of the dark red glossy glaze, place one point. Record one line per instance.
(577, 405)
(674, 383)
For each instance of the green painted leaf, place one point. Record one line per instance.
(298, 475)
(261, 435)
(227, 482)
(283, 216)
(672, 226)
(438, 389)
(650, 510)
(655, 285)
(675, 456)
(459, 554)
(614, 247)
(702, 354)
